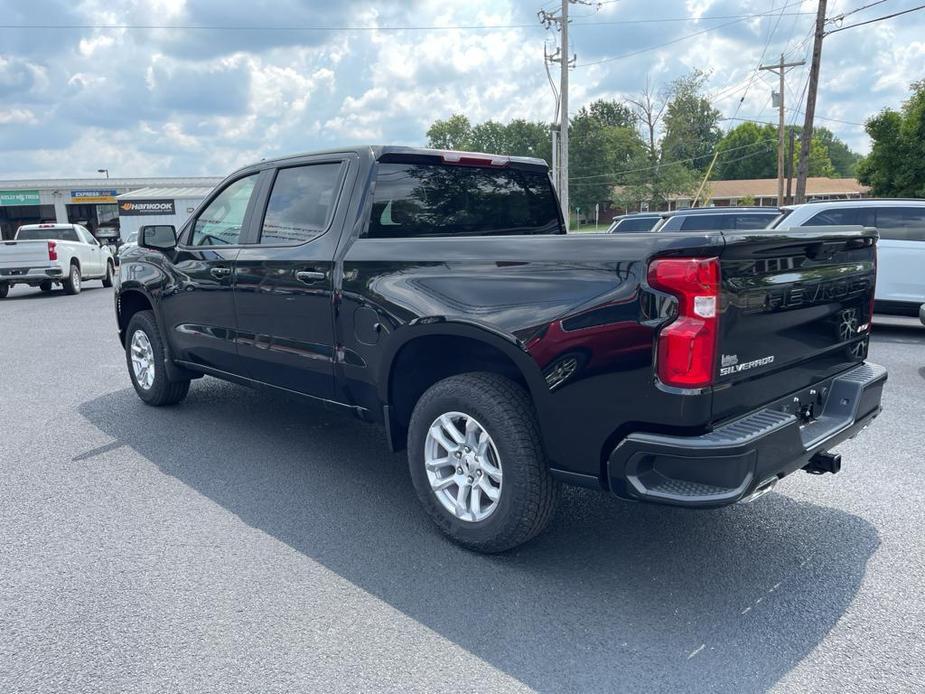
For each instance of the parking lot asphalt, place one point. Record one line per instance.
(247, 541)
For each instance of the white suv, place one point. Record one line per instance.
(900, 252)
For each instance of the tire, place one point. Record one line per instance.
(73, 281)
(526, 490)
(4, 290)
(159, 391)
(107, 279)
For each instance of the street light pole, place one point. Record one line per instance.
(105, 171)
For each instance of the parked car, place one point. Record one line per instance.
(717, 218)
(43, 255)
(922, 314)
(900, 251)
(640, 221)
(438, 294)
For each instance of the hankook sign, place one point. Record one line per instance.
(131, 208)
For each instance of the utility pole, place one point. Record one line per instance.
(807, 135)
(561, 56)
(780, 69)
(563, 116)
(792, 135)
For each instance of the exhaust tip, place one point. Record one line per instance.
(762, 489)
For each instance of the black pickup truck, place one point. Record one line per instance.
(438, 294)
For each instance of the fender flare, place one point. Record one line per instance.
(506, 344)
(174, 372)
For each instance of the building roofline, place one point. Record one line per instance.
(104, 183)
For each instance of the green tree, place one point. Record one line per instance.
(453, 133)
(895, 166)
(691, 123)
(598, 152)
(748, 150)
(819, 162)
(655, 185)
(844, 161)
(489, 136)
(519, 138)
(611, 113)
(529, 139)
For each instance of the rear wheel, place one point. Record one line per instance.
(72, 282)
(4, 290)
(144, 355)
(477, 462)
(107, 279)
(45, 287)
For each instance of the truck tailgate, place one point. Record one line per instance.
(795, 308)
(23, 254)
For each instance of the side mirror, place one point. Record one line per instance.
(158, 237)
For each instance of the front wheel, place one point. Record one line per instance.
(144, 355)
(72, 283)
(107, 280)
(477, 462)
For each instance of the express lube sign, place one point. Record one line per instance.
(131, 208)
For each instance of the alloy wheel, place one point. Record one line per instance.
(142, 359)
(463, 466)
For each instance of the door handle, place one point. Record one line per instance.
(309, 276)
(219, 272)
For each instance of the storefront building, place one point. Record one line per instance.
(90, 202)
(161, 205)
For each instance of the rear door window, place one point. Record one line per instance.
(754, 220)
(301, 203)
(706, 222)
(901, 223)
(850, 216)
(415, 200)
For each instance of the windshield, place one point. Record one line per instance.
(50, 234)
(132, 238)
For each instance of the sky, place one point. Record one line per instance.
(231, 82)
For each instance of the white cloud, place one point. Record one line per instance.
(202, 102)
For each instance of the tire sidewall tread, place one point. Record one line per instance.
(71, 287)
(163, 391)
(528, 493)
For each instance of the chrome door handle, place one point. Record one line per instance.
(309, 276)
(219, 272)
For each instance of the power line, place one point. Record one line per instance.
(875, 19)
(841, 16)
(670, 163)
(430, 27)
(673, 163)
(739, 20)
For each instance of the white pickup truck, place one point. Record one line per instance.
(43, 255)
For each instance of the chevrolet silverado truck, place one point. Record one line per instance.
(43, 255)
(437, 293)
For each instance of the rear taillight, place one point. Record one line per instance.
(687, 346)
(52, 250)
